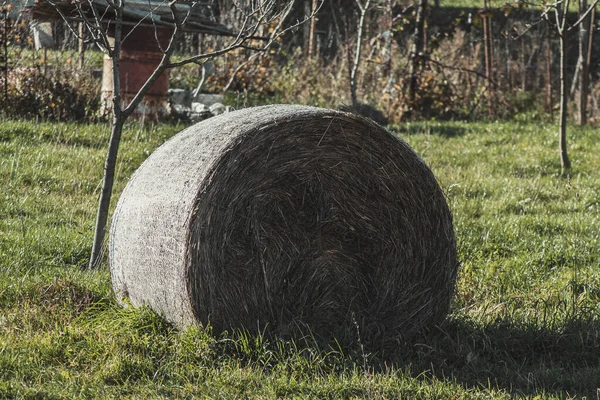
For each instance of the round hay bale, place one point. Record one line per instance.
(282, 217)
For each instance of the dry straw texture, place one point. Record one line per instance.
(287, 217)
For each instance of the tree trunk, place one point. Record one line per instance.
(313, 29)
(584, 37)
(81, 46)
(306, 33)
(524, 76)
(487, 43)
(508, 77)
(417, 51)
(564, 158)
(113, 149)
(591, 37)
(388, 65)
(5, 28)
(549, 103)
(356, 64)
(107, 186)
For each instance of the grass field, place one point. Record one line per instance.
(525, 320)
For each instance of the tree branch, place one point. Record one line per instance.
(461, 69)
(583, 16)
(239, 41)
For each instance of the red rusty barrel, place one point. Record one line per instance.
(140, 54)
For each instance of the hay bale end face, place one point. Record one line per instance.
(284, 217)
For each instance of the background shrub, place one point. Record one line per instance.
(57, 94)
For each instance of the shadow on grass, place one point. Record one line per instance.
(446, 130)
(563, 361)
(520, 360)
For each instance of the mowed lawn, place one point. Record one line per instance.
(525, 320)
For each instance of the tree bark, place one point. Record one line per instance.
(389, 41)
(107, 186)
(356, 64)
(549, 103)
(81, 46)
(562, 128)
(584, 37)
(388, 65)
(487, 43)
(313, 29)
(417, 51)
(4, 58)
(113, 149)
(591, 37)
(306, 33)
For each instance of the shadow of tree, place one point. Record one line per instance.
(446, 130)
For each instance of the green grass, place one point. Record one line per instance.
(525, 321)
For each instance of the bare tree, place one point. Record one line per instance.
(560, 14)
(105, 29)
(560, 10)
(363, 9)
(559, 24)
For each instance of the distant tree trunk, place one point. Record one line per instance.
(508, 78)
(524, 74)
(81, 46)
(549, 103)
(417, 51)
(590, 42)
(4, 59)
(389, 45)
(591, 37)
(307, 28)
(562, 127)
(313, 28)
(389, 40)
(356, 64)
(199, 49)
(487, 43)
(584, 38)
